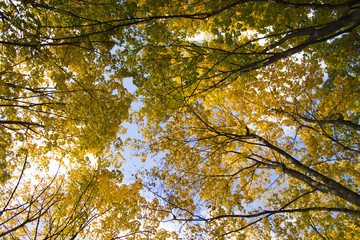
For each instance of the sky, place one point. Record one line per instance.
(132, 164)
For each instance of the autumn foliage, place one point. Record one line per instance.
(250, 110)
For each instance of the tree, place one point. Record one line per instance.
(261, 113)
(240, 37)
(85, 202)
(276, 154)
(260, 138)
(62, 98)
(61, 89)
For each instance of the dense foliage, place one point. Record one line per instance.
(250, 110)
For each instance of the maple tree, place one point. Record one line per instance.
(240, 37)
(61, 89)
(84, 202)
(258, 120)
(62, 98)
(278, 149)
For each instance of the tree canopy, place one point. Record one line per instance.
(250, 110)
